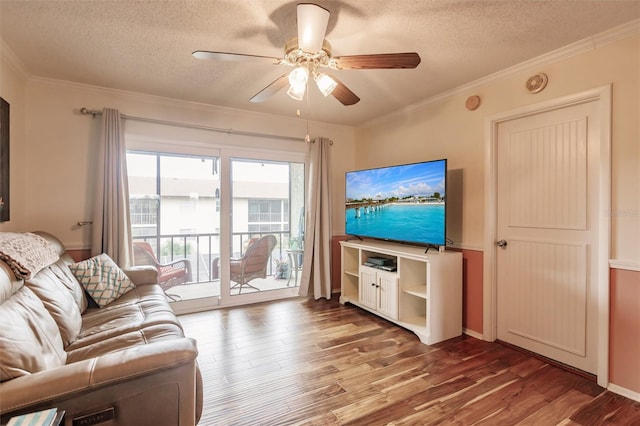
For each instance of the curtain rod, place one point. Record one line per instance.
(93, 112)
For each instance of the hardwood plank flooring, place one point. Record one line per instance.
(320, 363)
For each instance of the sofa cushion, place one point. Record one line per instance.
(125, 341)
(59, 300)
(9, 284)
(139, 294)
(29, 337)
(121, 318)
(66, 277)
(102, 278)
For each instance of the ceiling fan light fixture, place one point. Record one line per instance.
(312, 26)
(296, 92)
(299, 77)
(325, 83)
(308, 53)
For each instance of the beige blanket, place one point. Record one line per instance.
(26, 253)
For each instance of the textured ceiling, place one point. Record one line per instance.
(145, 46)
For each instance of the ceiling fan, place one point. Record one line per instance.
(310, 54)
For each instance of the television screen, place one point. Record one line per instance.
(405, 203)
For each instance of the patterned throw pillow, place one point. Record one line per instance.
(102, 278)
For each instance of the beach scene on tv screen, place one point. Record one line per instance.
(402, 203)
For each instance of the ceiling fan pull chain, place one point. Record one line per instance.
(307, 138)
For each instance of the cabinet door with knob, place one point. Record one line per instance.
(368, 290)
(388, 294)
(379, 291)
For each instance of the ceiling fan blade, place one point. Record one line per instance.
(312, 26)
(344, 94)
(378, 61)
(224, 56)
(273, 88)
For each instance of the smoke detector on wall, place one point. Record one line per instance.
(473, 102)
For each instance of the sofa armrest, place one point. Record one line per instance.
(143, 274)
(146, 374)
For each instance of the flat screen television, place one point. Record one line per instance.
(404, 203)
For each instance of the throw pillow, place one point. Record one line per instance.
(102, 278)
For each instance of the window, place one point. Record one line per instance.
(144, 215)
(268, 215)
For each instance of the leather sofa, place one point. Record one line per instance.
(127, 363)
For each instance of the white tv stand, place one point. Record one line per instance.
(423, 295)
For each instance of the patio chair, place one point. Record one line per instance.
(169, 274)
(253, 264)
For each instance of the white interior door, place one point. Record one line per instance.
(547, 227)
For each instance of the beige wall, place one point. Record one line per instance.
(60, 146)
(12, 90)
(445, 129)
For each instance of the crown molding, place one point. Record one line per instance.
(629, 29)
(13, 61)
(136, 96)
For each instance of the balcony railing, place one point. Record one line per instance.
(203, 249)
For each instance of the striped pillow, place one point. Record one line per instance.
(102, 278)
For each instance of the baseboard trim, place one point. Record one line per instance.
(473, 333)
(589, 376)
(624, 392)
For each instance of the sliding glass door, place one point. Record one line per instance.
(175, 218)
(221, 230)
(267, 226)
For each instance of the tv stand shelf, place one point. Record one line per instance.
(418, 291)
(424, 293)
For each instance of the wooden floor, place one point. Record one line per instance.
(321, 363)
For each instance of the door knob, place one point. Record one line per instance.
(502, 243)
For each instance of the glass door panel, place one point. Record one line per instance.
(267, 227)
(175, 216)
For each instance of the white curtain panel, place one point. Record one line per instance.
(111, 220)
(316, 271)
